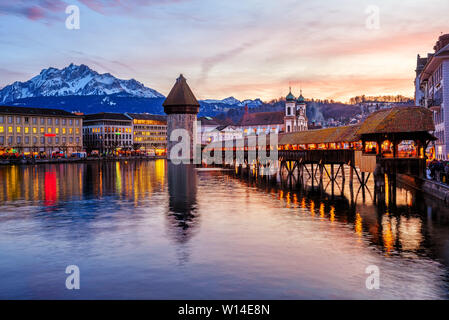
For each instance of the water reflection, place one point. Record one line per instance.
(156, 230)
(182, 189)
(398, 221)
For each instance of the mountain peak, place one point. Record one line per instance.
(74, 80)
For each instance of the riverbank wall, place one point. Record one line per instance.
(432, 188)
(7, 162)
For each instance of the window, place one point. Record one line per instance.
(34, 120)
(18, 120)
(1, 119)
(18, 129)
(48, 130)
(9, 129)
(77, 140)
(9, 119)
(34, 130)
(19, 139)
(27, 140)
(57, 130)
(63, 130)
(27, 120)
(64, 139)
(9, 140)
(42, 140)
(56, 121)
(34, 140)
(27, 130)
(77, 130)
(77, 122)
(2, 129)
(50, 121)
(2, 140)
(64, 121)
(70, 130)
(71, 122)
(42, 130)
(42, 121)
(49, 140)
(57, 140)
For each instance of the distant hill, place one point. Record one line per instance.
(317, 111)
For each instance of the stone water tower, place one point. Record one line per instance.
(181, 108)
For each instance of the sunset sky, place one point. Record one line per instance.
(240, 48)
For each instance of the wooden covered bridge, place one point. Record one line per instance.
(389, 141)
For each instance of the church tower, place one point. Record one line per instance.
(181, 108)
(301, 115)
(290, 113)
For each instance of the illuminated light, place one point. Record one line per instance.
(303, 203)
(332, 214)
(312, 207)
(358, 224)
(50, 188)
(388, 233)
(50, 135)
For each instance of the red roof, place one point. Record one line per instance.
(262, 118)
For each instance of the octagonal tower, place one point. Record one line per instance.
(181, 108)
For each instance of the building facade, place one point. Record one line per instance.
(31, 131)
(149, 132)
(434, 84)
(261, 122)
(107, 132)
(295, 118)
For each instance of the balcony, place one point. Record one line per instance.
(434, 104)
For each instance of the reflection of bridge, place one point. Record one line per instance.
(369, 148)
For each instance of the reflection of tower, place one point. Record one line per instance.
(181, 107)
(182, 188)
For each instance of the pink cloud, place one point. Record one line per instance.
(34, 13)
(38, 10)
(102, 6)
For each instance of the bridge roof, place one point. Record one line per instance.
(400, 119)
(328, 135)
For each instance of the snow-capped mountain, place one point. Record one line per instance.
(75, 80)
(77, 87)
(231, 101)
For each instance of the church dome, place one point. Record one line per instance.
(290, 96)
(301, 99)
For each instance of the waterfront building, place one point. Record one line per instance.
(31, 131)
(107, 132)
(261, 122)
(149, 132)
(216, 130)
(295, 118)
(434, 84)
(182, 107)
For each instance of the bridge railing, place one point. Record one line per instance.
(338, 156)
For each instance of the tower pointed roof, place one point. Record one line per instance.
(290, 96)
(301, 98)
(181, 98)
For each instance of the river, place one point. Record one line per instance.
(152, 230)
